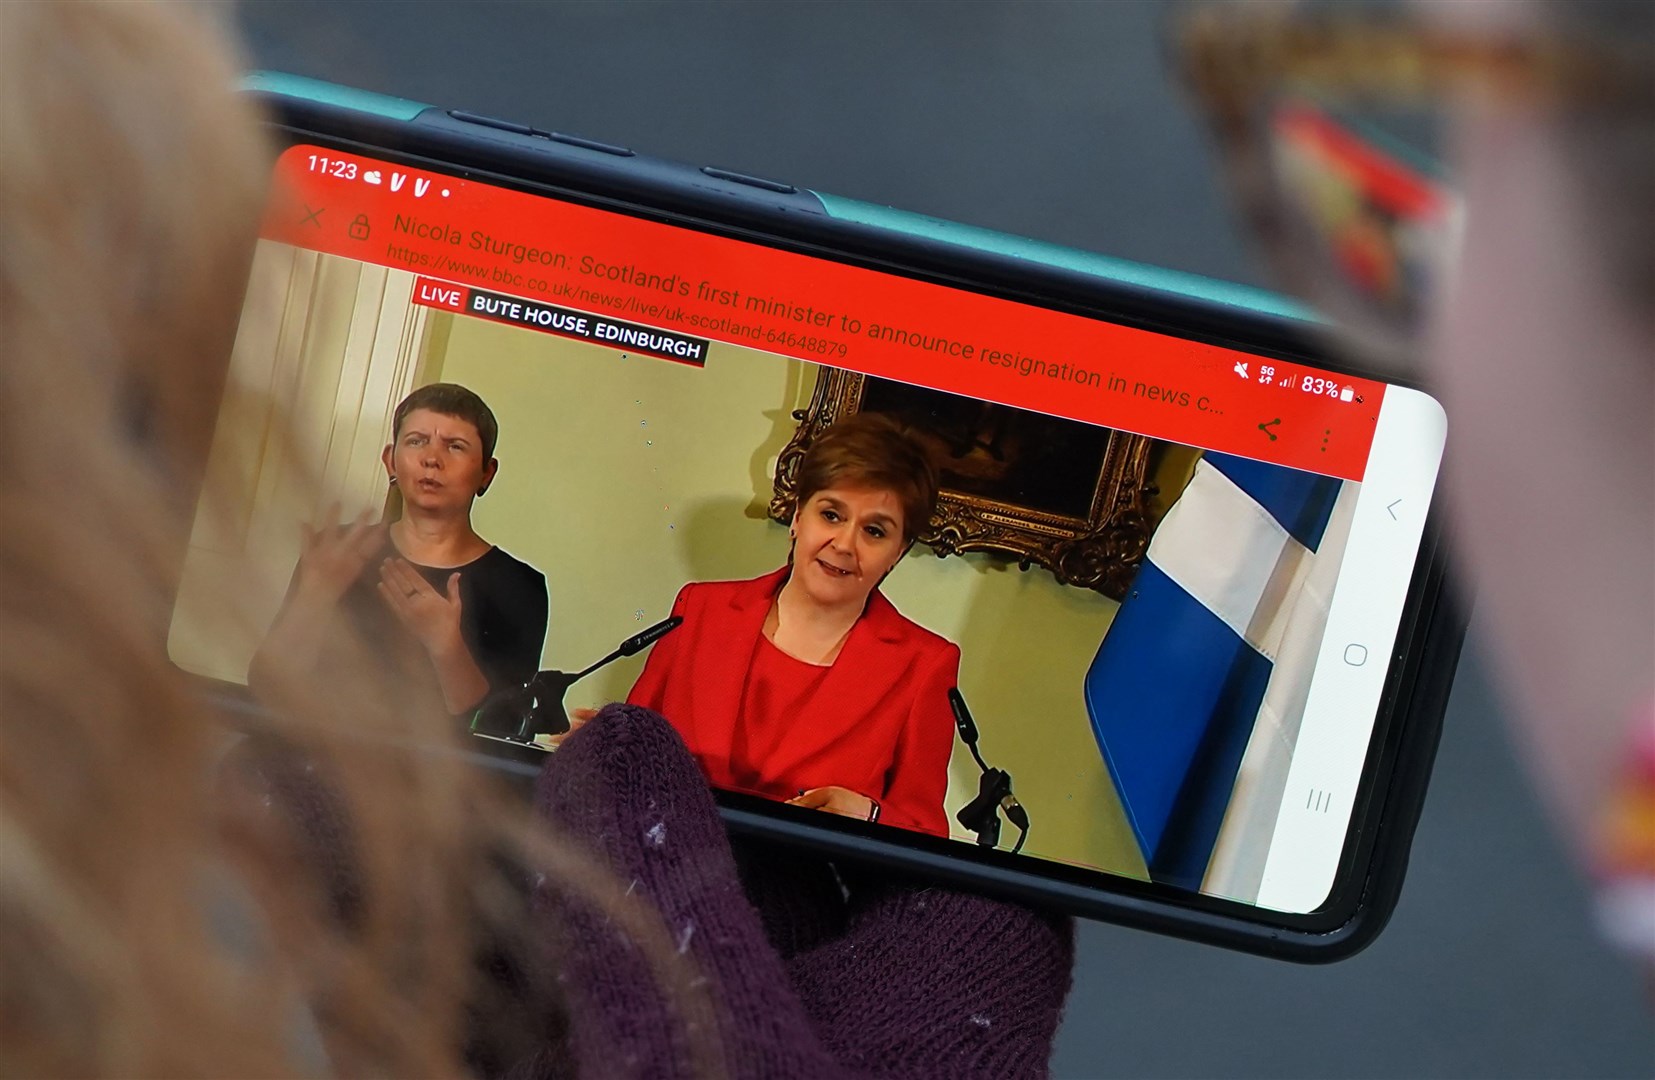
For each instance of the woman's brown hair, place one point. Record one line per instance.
(869, 450)
(451, 399)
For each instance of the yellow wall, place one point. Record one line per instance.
(621, 478)
(326, 348)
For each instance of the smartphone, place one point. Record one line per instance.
(1191, 564)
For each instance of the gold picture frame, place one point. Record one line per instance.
(1066, 496)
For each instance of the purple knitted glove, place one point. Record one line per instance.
(803, 981)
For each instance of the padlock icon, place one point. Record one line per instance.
(359, 227)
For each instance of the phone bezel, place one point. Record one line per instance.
(1406, 730)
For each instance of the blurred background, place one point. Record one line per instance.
(1057, 121)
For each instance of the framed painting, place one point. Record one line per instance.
(1045, 491)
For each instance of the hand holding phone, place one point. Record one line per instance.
(925, 981)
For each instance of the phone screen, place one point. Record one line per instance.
(1167, 577)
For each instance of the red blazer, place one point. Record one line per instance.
(878, 723)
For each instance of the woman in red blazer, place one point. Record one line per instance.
(806, 684)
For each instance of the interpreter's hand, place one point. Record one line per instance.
(835, 800)
(577, 720)
(332, 557)
(432, 617)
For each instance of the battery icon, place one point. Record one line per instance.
(1347, 393)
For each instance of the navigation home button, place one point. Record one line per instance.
(1356, 655)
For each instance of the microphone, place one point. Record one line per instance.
(519, 713)
(1014, 810)
(982, 814)
(966, 726)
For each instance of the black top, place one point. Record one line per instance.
(503, 612)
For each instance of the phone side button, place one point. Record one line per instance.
(751, 181)
(489, 121)
(584, 144)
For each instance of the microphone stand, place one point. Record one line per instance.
(519, 713)
(982, 814)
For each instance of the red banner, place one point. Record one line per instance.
(642, 286)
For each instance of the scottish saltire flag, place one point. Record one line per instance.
(1197, 690)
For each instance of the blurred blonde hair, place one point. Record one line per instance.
(158, 915)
